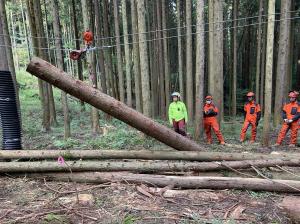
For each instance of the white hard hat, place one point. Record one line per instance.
(175, 94)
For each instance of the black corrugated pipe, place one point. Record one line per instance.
(10, 118)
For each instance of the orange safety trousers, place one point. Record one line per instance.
(294, 126)
(246, 125)
(212, 123)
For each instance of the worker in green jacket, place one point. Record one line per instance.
(178, 114)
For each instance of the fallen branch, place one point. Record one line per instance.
(139, 166)
(190, 182)
(141, 154)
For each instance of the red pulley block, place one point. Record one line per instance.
(76, 54)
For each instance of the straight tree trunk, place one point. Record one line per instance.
(162, 95)
(108, 51)
(199, 70)
(43, 87)
(189, 60)
(269, 73)
(77, 44)
(139, 166)
(219, 183)
(96, 98)
(258, 51)
(91, 63)
(119, 53)
(179, 43)
(7, 42)
(263, 59)
(99, 35)
(60, 64)
(136, 58)
(102, 154)
(166, 53)
(211, 59)
(127, 55)
(144, 58)
(282, 60)
(3, 56)
(218, 57)
(235, 55)
(43, 52)
(24, 22)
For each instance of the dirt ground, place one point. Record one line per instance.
(30, 201)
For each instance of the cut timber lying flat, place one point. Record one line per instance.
(142, 154)
(177, 181)
(109, 105)
(138, 166)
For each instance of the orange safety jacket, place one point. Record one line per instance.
(252, 111)
(210, 110)
(291, 111)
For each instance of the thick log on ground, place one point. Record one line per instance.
(139, 166)
(111, 106)
(190, 182)
(141, 154)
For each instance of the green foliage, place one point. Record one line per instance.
(260, 194)
(129, 219)
(53, 218)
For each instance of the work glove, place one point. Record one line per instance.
(286, 121)
(290, 121)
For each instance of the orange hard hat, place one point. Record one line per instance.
(292, 95)
(250, 94)
(208, 97)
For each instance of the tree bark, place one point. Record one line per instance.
(235, 55)
(162, 92)
(77, 44)
(283, 61)
(166, 53)
(269, 73)
(178, 182)
(258, 51)
(96, 98)
(119, 53)
(142, 154)
(179, 43)
(99, 42)
(60, 64)
(138, 166)
(218, 57)
(43, 52)
(3, 56)
(108, 52)
(9, 53)
(189, 60)
(144, 58)
(199, 70)
(136, 58)
(127, 54)
(43, 92)
(91, 64)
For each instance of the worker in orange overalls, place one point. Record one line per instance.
(210, 112)
(252, 114)
(290, 115)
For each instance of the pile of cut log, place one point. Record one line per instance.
(190, 167)
(182, 169)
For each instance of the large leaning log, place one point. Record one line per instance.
(109, 105)
(138, 166)
(140, 154)
(177, 181)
